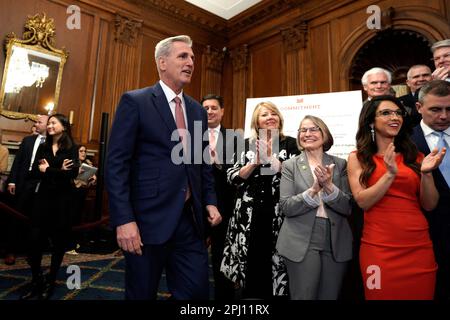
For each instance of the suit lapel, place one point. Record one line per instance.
(420, 140)
(422, 145)
(327, 160)
(304, 169)
(189, 115)
(159, 100)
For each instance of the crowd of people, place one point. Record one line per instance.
(274, 208)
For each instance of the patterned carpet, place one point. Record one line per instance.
(102, 278)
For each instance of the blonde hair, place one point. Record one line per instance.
(255, 116)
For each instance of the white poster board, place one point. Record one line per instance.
(339, 110)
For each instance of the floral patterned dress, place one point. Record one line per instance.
(250, 258)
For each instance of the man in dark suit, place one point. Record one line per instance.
(417, 76)
(158, 184)
(434, 131)
(223, 145)
(20, 183)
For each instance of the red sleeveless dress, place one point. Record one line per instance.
(396, 253)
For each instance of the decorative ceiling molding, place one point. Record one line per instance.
(186, 12)
(260, 13)
(201, 18)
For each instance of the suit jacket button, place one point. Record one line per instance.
(333, 224)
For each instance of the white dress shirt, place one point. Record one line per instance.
(37, 142)
(170, 95)
(432, 139)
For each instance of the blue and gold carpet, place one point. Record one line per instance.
(102, 278)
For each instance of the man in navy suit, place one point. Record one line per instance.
(158, 183)
(223, 144)
(434, 106)
(20, 183)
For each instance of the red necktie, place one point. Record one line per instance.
(179, 119)
(181, 125)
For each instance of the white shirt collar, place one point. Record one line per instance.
(169, 93)
(216, 129)
(427, 130)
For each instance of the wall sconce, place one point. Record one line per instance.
(71, 117)
(49, 107)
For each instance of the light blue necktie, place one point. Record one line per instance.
(445, 165)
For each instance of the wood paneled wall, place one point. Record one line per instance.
(320, 40)
(278, 47)
(111, 53)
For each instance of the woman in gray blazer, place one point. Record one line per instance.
(315, 238)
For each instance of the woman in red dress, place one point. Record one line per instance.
(392, 182)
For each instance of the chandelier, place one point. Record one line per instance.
(21, 74)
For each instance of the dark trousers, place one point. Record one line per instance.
(441, 244)
(59, 239)
(184, 258)
(18, 229)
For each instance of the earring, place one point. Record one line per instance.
(372, 133)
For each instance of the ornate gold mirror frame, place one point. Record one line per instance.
(33, 70)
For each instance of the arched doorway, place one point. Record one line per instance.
(395, 50)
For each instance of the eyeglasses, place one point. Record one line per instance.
(312, 129)
(389, 113)
(444, 56)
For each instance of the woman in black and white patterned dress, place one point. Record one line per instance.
(250, 259)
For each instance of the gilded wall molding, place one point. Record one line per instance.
(239, 57)
(126, 29)
(295, 37)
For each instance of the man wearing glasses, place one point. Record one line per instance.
(441, 58)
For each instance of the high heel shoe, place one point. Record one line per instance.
(34, 290)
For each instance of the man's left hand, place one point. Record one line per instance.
(214, 217)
